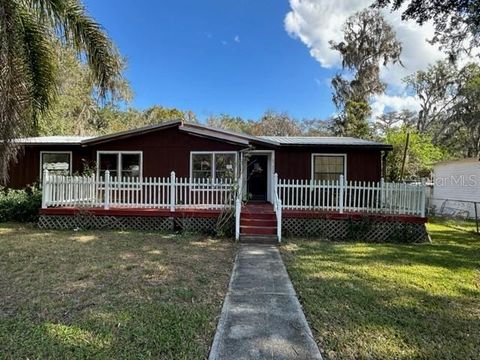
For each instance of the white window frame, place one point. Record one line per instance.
(312, 165)
(70, 153)
(213, 161)
(119, 165)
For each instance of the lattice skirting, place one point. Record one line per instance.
(355, 230)
(86, 222)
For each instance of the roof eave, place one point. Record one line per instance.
(363, 146)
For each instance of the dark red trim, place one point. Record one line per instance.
(308, 214)
(200, 213)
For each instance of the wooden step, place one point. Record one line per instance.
(259, 239)
(267, 216)
(258, 222)
(258, 230)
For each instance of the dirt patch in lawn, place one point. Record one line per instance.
(107, 294)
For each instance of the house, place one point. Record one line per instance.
(456, 188)
(180, 172)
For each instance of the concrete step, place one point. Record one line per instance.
(258, 230)
(259, 239)
(258, 222)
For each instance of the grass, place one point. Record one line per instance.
(109, 295)
(392, 301)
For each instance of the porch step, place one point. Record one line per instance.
(259, 239)
(258, 216)
(258, 230)
(258, 222)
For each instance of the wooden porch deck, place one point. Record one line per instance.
(249, 208)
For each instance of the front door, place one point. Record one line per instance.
(257, 177)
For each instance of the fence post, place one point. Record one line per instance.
(476, 216)
(106, 205)
(44, 189)
(172, 191)
(342, 194)
(382, 190)
(422, 199)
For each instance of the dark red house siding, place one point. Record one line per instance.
(362, 165)
(169, 149)
(26, 170)
(295, 162)
(166, 150)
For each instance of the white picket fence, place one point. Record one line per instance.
(353, 196)
(151, 192)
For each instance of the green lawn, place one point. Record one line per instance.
(391, 301)
(109, 295)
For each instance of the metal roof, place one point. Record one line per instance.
(131, 132)
(224, 134)
(202, 130)
(52, 140)
(321, 140)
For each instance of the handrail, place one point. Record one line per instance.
(238, 209)
(277, 206)
(150, 192)
(352, 196)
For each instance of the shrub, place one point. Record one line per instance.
(20, 205)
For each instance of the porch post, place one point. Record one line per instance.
(44, 189)
(422, 200)
(275, 186)
(342, 194)
(238, 207)
(106, 205)
(172, 191)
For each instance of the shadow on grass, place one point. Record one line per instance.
(107, 294)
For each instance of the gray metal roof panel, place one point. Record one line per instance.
(321, 140)
(52, 140)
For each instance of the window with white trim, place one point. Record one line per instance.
(213, 165)
(328, 167)
(120, 163)
(56, 162)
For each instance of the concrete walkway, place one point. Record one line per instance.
(261, 316)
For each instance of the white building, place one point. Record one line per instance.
(456, 188)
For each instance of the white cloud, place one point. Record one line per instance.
(316, 22)
(236, 38)
(385, 103)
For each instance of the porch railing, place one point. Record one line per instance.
(353, 196)
(277, 207)
(151, 192)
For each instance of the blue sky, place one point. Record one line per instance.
(216, 56)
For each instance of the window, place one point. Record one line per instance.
(56, 162)
(206, 165)
(328, 167)
(202, 166)
(118, 163)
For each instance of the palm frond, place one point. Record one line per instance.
(70, 18)
(40, 59)
(15, 84)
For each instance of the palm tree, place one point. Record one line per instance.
(28, 29)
